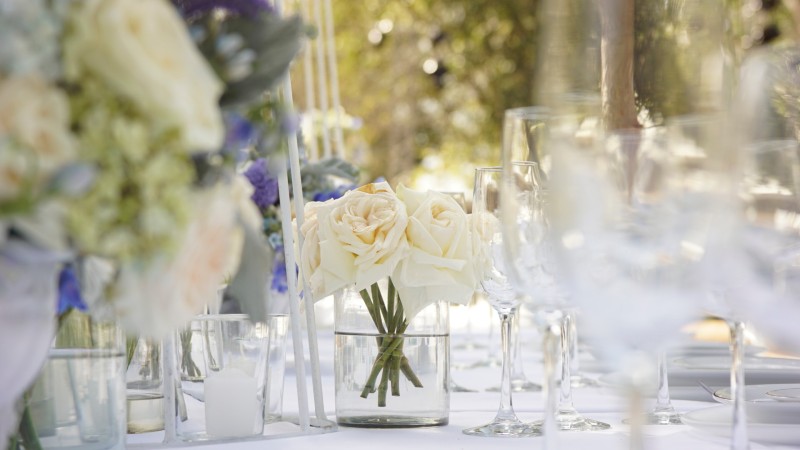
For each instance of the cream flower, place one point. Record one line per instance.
(159, 296)
(309, 252)
(34, 123)
(361, 239)
(143, 51)
(439, 265)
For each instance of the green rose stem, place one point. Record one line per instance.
(390, 361)
(27, 431)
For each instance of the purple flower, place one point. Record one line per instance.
(266, 187)
(69, 291)
(246, 8)
(239, 132)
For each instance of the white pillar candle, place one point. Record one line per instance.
(230, 397)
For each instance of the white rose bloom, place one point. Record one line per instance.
(309, 253)
(34, 123)
(440, 263)
(155, 298)
(361, 239)
(143, 51)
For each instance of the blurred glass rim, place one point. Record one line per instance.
(222, 318)
(774, 145)
(528, 112)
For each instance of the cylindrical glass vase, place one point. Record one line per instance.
(222, 361)
(78, 401)
(390, 375)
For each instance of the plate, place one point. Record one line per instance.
(759, 393)
(767, 423)
(791, 394)
(754, 363)
(696, 348)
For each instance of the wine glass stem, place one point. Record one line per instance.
(663, 402)
(517, 373)
(565, 399)
(506, 411)
(739, 438)
(550, 341)
(572, 331)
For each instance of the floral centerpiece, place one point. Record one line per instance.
(322, 180)
(419, 242)
(111, 124)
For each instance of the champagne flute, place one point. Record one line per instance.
(494, 281)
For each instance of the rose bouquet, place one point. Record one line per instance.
(420, 241)
(322, 180)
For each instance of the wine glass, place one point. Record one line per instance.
(623, 215)
(756, 259)
(488, 240)
(525, 132)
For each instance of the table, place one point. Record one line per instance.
(470, 409)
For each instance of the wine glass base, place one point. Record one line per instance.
(455, 387)
(519, 385)
(579, 381)
(574, 422)
(660, 418)
(503, 428)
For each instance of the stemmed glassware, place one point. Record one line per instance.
(626, 217)
(757, 259)
(500, 294)
(525, 132)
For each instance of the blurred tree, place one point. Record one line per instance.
(432, 78)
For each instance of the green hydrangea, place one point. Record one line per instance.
(139, 202)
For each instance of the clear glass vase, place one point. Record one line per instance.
(78, 401)
(392, 376)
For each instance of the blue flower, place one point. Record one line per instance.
(69, 291)
(279, 283)
(240, 134)
(266, 187)
(333, 194)
(276, 241)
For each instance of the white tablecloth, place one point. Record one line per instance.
(475, 408)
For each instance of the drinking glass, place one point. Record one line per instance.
(494, 281)
(525, 133)
(758, 260)
(624, 216)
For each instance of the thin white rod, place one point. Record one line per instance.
(168, 384)
(308, 75)
(311, 322)
(337, 104)
(291, 278)
(294, 299)
(322, 79)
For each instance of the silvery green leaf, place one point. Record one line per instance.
(73, 179)
(275, 42)
(249, 285)
(43, 227)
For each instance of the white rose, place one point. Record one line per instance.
(162, 294)
(143, 51)
(34, 123)
(309, 252)
(361, 239)
(439, 265)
